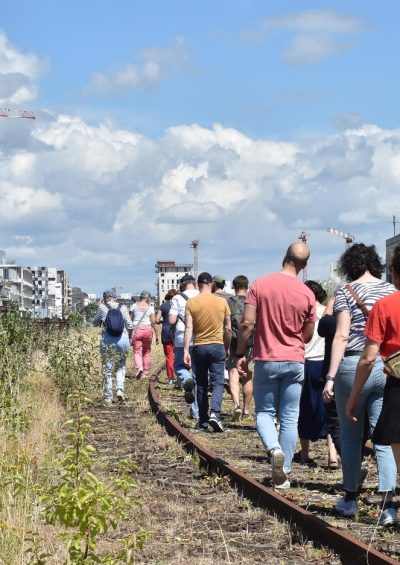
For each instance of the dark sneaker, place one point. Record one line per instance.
(188, 387)
(203, 426)
(215, 423)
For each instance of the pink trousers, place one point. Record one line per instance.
(142, 348)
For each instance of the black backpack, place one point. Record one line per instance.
(114, 322)
(236, 306)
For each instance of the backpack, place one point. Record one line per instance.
(179, 317)
(114, 322)
(236, 306)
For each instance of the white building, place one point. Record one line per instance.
(49, 292)
(169, 274)
(16, 285)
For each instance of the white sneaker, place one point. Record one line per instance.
(388, 517)
(349, 508)
(120, 395)
(278, 460)
(283, 486)
(108, 401)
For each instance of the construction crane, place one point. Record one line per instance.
(195, 246)
(348, 237)
(12, 113)
(304, 237)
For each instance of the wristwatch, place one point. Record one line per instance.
(329, 378)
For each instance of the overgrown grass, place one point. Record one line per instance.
(39, 371)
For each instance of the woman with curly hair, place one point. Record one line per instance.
(383, 336)
(361, 265)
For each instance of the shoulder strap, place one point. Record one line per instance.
(358, 300)
(179, 317)
(138, 324)
(143, 315)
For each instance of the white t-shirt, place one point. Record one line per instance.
(178, 305)
(315, 349)
(137, 314)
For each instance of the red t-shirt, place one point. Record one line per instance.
(284, 304)
(383, 324)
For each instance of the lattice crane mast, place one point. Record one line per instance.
(348, 237)
(195, 246)
(304, 237)
(13, 113)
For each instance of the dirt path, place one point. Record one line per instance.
(192, 516)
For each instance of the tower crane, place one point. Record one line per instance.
(304, 237)
(195, 246)
(348, 237)
(13, 113)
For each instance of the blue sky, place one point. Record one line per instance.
(304, 95)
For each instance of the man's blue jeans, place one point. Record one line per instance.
(209, 359)
(370, 401)
(183, 373)
(114, 351)
(277, 389)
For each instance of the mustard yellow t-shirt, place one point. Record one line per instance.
(208, 313)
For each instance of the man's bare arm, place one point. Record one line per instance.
(172, 319)
(227, 333)
(246, 327)
(187, 338)
(308, 331)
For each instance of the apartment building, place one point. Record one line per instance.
(169, 274)
(52, 296)
(16, 284)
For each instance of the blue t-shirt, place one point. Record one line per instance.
(166, 326)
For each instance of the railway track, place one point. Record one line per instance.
(307, 506)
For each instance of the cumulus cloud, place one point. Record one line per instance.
(314, 35)
(106, 203)
(19, 73)
(149, 68)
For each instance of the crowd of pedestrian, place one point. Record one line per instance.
(319, 367)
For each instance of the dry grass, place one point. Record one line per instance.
(25, 457)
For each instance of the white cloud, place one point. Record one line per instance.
(314, 34)
(106, 202)
(19, 73)
(150, 67)
(22, 203)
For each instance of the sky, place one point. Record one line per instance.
(239, 123)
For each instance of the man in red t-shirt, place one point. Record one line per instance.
(282, 309)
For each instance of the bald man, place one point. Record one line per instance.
(281, 309)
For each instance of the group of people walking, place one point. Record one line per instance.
(316, 370)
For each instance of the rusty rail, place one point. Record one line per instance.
(351, 550)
